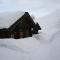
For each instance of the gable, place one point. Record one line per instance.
(23, 22)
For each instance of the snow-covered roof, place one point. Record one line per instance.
(9, 17)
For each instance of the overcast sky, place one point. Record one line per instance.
(39, 6)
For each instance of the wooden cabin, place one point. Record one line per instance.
(23, 27)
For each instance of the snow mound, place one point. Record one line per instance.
(50, 21)
(25, 45)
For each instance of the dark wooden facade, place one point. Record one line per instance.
(23, 27)
(5, 33)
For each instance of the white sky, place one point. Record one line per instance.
(35, 6)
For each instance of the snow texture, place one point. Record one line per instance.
(42, 46)
(8, 18)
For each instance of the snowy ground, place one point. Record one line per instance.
(43, 46)
(30, 48)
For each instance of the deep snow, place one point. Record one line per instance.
(43, 46)
(30, 49)
(8, 18)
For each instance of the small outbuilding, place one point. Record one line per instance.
(23, 27)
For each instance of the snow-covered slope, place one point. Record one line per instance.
(50, 21)
(43, 46)
(30, 49)
(9, 17)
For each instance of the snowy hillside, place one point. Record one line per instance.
(42, 46)
(50, 21)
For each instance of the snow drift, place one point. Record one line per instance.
(43, 46)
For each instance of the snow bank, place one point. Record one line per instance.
(24, 45)
(50, 25)
(50, 21)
